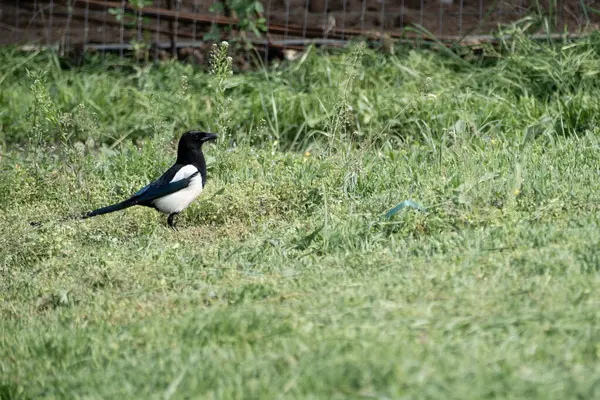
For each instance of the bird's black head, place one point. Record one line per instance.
(194, 139)
(190, 146)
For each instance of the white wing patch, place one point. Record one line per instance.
(184, 172)
(178, 201)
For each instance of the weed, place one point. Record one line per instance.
(221, 70)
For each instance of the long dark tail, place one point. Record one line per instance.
(108, 209)
(104, 210)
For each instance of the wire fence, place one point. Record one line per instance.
(172, 26)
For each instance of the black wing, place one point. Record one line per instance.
(164, 180)
(153, 192)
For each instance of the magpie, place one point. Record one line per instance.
(176, 188)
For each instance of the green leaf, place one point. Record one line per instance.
(217, 7)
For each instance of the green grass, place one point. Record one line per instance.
(285, 279)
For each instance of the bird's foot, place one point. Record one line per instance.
(171, 221)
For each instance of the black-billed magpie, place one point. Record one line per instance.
(176, 188)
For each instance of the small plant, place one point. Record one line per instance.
(342, 117)
(249, 14)
(132, 20)
(44, 115)
(121, 15)
(49, 125)
(183, 95)
(221, 70)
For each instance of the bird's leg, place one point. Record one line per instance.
(171, 221)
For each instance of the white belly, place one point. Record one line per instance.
(177, 202)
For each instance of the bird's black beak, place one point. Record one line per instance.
(210, 136)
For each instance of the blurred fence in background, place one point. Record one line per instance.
(168, 26)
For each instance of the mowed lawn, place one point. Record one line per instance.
(286, 279)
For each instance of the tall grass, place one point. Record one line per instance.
(504, 92)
